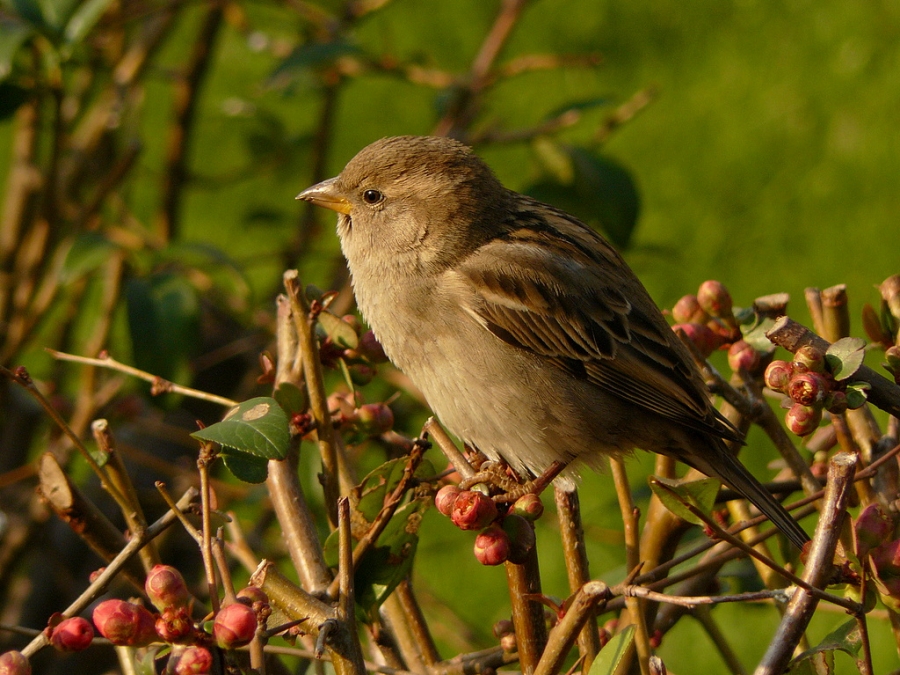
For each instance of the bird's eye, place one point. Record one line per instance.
(372, 197)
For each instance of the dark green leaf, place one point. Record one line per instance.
(258, 427)
(674, 494)
(246, 467)
(83, 19)
(164, 323)
(13, 35)
(845, 356)
(601, 192)
(610, 657)
(291, 398)
(340, 332)
(845, 638)
(88, 252)
(368, 497)
(31, 11)
(11, 97)
(754, 333)
(857, 394)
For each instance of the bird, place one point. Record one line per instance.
(528, 334)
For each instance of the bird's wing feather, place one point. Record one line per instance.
(553, 287)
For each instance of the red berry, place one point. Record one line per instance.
(374, 419)
(807, 388)
(361, 373)
(886, 558)
(778, 374)
(473, 510)
(174, 624)
(445, 498)
(166, 588)
(192, 661)
(124, 623)
(803, 420)
(688, 310)
(528, 506)
(873, 527)
(701, 335)
(235, 626)
(492, 546)
(13, 663)
(741, 356)
(72, 635)
(715, 299)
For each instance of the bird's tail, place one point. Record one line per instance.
(736, 475)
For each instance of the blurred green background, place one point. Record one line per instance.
(769, 159)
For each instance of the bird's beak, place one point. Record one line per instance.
(326, 194)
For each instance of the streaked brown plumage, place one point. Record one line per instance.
(528, 334)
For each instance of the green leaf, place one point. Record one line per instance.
(674, 494)
(83, 19)
(845, 356)
(164, 323)
(857, 394)
(600, 191)
(258, 427)
(754, 332)
(845, 638)
(246, 467)
(88, 252)
(291, 398)
(368, 497)
(340, 332)
(13, 34)
(613, 653)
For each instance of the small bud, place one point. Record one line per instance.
(492, 546)
(778, 374)
(124, 623)
(361, 373)
(72, 635)
(701, 335)
(174, 624)
(529, 506)
(715, 299)
(655, 664)
(807, 388)
(374, 419)
(886, 558)
(890, 293)
(836, 402)
(166, 588)
(235, 626)
(445, 498)
(873, 527)
(892, 355)
(353, 321)
(811, 358)
(688, 310)
(742, 356)
(803, 420)
(473, 510)
(370, 348)
(13, 663)
(521, 537)
(192, 661)
(252, 596)
(508, 643)
(503, 627)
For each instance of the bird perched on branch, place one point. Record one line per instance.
(528, 334)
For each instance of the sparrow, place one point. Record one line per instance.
(528, 334)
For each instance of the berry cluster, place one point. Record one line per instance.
(507, 532)
(132, 625)
(810, 387)
(707, 319)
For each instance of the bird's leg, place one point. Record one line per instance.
(496, 474)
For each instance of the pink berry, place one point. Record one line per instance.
(234, 626)
(701, 335)
(174, 624)
(253, 596)
(529, 506)
(777, 375)
(873, 527)
(124, 623)
(473, 510)
(374, 419)
(492, 546)
(521, 537)
(446, 498)
(166, 588)
(192, 661)
(370, 348)
(72, 635)
(803, 420)
(688, 310)
(13, 663)
(741, 356)
(807, 388)
(811, 358)
(715, 299)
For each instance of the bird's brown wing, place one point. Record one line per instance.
(550, 285)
